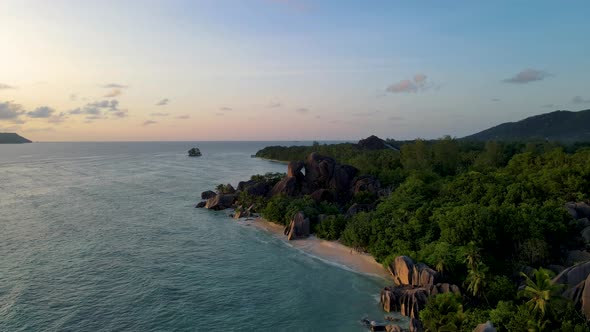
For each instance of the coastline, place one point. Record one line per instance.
(331, 251)
(273, 160)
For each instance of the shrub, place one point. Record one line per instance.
(331, 227)
(443, 312)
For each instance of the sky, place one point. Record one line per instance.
(286, 69)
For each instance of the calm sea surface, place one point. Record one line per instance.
(104, 237)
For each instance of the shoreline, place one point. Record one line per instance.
(329, 251)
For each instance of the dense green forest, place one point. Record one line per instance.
(478, 212)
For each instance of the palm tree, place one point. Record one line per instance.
(476, 279)
(541, 292)
(472, 255)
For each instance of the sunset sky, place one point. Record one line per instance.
(288, 70)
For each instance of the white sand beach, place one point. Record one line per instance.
(332, 251)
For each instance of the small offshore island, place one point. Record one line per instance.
(194, 152)
(477, 235)
(13, 138)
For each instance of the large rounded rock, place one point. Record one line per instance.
(299, 227)
(405, 271)
(583, 209)
(322, 195)
(366, 184)
(416, 325)
(401, 270)
(242, 185)
(572, 276)
(258, 189)
(577, 256)
(372, 143)
(342, 178)
(585, 298)
(409, 300)
(318, 171)
(485, 327)
(287, 186)
(220, 202)
(294, 169)
(578, 210)
(207, 194)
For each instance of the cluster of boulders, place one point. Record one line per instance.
(324, 179)
(414, 283)
(576, 278)
(319, 176)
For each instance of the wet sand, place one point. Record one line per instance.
(332, 251)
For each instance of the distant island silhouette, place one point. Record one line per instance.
(13, 138)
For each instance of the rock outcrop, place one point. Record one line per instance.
(207, 194)
(406, 272)
(294, 169)
(414, 283)
(577, 281)
(409, 300)
(416, 325)
(298, 228)
(574, 257)
(367, 184)
(485, 327)
(201, 204)
(241, 212)
(287, 186)
(194, 152)
(220, 202)
(578, 210)
(322, 195)
(372, 143)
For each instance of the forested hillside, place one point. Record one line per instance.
(479, 213)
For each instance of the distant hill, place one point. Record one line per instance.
(12, 138)
(562, 126)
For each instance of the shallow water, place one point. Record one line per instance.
(104, 237)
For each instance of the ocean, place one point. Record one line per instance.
(105, 237)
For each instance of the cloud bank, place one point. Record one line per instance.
(163, 102)
(527, 76)
(418, 83)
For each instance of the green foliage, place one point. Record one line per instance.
(305, 204)
(443, 312)
(257, 202)
(476, 280)
(276, 209)
(474, 317)
(540, 292)
(224, 188)
(440, 255)
(377, 163)
(331, 227)
(509, 317)
(472, 210)
(270, 178)
(358, 231)
(500, 288)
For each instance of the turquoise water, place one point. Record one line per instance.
(104, 237)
